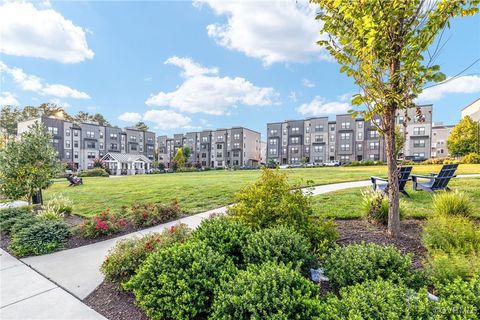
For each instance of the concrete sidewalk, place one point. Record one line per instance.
(25, 294)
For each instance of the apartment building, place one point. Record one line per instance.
(234, 147)
(472, 110)
(318, 140)
(440, 133)
(80, 144)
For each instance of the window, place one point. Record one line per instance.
(236, 145)
(113, 146)
(273, 132)
(236, 136)
(374, 145)
(318, 128)
(219, 154)
(90, 145)
(307, 129)
(332, 137)
(100, 145)
(332, 128)
(75, 133)
(67, 132)
(332, 148)
(345, 147)
(204, 139)
(307, 139)
(133, 147)
(272, 151)
(150, 140)
(219, 146)
(374, 157)
(220, 163)
(91, 155)
(420, 155)
(307, 149)
(75, 154)
(113, 136)
(294, 140)
(400, 119)
(294, 160)
(319, 138)
(359, 147)
(236, 154)
(101, 134)
(90, 134)
(360, 124)
(284, 142)
(294, 150)
(295, 130)
(345, 136)
(53, 130)
(345, 158)
(318, 159)
(204, 154)
(419, 131)
(419, 143)
(345, 125)
(75, 144)
(134, 139)
(67, 144)
(374, 134)
(318, 148)
(360, 136)
(376, 121)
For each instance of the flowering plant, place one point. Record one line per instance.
(102, 224)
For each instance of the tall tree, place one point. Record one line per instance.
(381, 45)
(100, 119)
(82, 117)
(464, 138)
(9, 117)
(141, 126)
(187, 151)
(29, 164)
(179, 158)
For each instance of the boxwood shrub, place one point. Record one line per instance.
(378, 299)
(224, 235)
(123, 259)
(40, 237)
(267, 291)
(9, 216)
(280, 244)
(357, 263)
(178, 282)
(459, 299)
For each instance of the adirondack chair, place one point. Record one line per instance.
(381, 184)
(436, 181)
(74, 181)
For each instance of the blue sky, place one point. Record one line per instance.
(183, 66)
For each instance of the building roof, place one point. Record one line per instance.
(127, 157)
(470, 104)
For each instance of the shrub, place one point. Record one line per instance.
(224, 235)
(378, 299)
(473, 158)
(322, 235)
(149, 214)
(60, 204)
(102, 224)
(128, 254)
(96, 172)
(280, 244)
(454, 203)
(178, 282)
(9, 216)
(270, 202)
(375, 206)
(444, 267)
(451, 234)
(50, 213)
(267, 291)
(459, 299)
(41, 237)
(357, 263)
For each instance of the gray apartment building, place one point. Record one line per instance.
(440, 133)
(318, 140)
(234, 147)
(80, 144)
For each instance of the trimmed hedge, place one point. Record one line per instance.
(9, 216)
(357, 263)
(178, 282)
(267, 291)
(459, 299)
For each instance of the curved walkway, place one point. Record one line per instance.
(77, 270)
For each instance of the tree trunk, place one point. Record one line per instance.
(393, 194)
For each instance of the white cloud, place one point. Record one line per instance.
(203, 91)
(320, 107)
(41, 33)
(307, 83)
(166, 119)
(273, 31)
(130, 117)
(33, 83)
(293, 96)
(8, 98)
(465, 84)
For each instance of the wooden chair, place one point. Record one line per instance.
(381, 184)
(74, 182)
(436, 181)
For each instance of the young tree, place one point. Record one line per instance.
(464, 138)
(179, 158)
(29, 164)
(187, 151)
(380, 44)
(100, 119)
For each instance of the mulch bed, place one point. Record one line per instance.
(113, 303)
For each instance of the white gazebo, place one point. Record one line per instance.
(126, 163)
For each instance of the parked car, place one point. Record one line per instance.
(283, 166)
(333, 163)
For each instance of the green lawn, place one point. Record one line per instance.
(346, 204)
(200, 191)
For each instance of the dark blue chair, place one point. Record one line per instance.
(381, 184)
(435, 181)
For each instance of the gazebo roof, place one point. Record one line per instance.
(126, 157)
